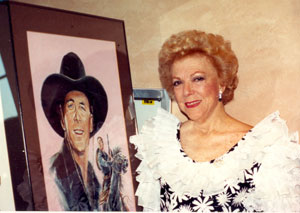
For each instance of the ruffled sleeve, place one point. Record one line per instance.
(148, 191)
(147, 145)
(277, 184)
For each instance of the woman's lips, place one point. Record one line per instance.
(192, 104)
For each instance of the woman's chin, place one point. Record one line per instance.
(194, 116)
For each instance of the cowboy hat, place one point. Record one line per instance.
(72, 77)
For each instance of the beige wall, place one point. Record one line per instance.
(265, 35)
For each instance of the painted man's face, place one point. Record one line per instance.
(77, 120)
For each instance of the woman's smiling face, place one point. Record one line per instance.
(196, 86)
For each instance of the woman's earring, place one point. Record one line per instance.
(220, 96)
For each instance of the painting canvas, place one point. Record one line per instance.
(108, 152)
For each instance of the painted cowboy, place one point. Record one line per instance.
(76, 107)
(104, 163)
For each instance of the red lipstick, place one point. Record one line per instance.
(192, 104)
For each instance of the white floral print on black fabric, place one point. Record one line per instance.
(230, 200)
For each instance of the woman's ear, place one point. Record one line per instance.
(221, 88)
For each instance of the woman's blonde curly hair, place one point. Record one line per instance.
(213, 46)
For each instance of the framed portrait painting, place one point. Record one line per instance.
(76, 98)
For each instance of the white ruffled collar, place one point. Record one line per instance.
(162, 152)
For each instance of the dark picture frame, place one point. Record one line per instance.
(28, 21)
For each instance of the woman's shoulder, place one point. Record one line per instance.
(271, 143)
(240, 126)
(270, 128)
(274, 129)
(272, 120)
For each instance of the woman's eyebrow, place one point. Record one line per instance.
(196, 72)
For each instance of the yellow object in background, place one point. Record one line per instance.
(148, 102)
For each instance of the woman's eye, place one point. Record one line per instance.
(176, 83)
(200, 78)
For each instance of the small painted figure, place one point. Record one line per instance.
(112, 164)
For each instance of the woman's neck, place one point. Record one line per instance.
(215, 122)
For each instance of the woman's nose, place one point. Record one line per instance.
(187, 89)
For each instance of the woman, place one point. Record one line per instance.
(212, 162)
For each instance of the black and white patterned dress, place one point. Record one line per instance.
(260, 173)
(230, 200)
